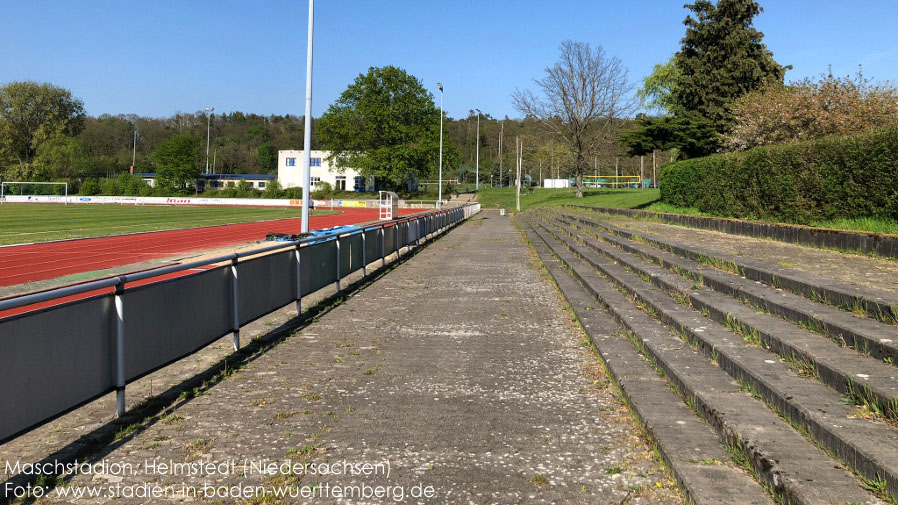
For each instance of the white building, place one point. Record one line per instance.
(290, 172)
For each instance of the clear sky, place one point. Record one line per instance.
(155, 58)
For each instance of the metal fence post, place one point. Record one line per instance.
(235, 300)
(396, 237)
(364, 255)
(298, 282)
(337, 240)
(383, 257)
(119, 349)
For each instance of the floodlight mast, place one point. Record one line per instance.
(209, 111)
(440, 188)
(307, 123)
(477, 163)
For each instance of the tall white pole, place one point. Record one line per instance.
(477, 163)
(307, 126)
(520, 159)
(134, 152)
(440, 189)
(208, 130)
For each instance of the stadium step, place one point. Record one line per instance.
(877, 304)
(870, 336)
(687, 445)
(781, 455)
(853, 373)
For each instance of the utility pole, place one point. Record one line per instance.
(477, 163)
(654, 183)
(501, 132)
(616, 174)
(520, 158)
(552, 159)
(641, 169)
(134, 153)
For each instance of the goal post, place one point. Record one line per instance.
(4, 184)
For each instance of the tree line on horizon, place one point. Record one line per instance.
(722, 91)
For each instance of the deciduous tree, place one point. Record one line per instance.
(583, 98)
(385, 124)
(178, 160)
(32, 113)
(61, 157)
(810, 109)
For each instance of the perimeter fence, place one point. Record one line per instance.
(59, 357)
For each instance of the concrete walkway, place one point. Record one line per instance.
(461, 371)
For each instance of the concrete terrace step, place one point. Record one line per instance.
(877, 304)
(868, 335)
(689, 447)
(847, 371)
(793, 468)
(866, 446)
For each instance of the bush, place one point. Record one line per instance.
(273, 190)
(293, 193)
(829, 178)
(323, 191)
(90, 187)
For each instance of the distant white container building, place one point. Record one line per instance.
(290, 172)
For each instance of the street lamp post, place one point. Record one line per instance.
(134, 152)
(477, 163)
(208, 130)
(307, 124)
(440, 188)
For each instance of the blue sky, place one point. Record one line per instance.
(164, 56)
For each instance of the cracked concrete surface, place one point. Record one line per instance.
(461, 369)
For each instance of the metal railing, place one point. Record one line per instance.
(60, 357)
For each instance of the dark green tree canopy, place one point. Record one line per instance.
(32, 113)
(691, 135)
(178, 160)
(385, 124)
(61, 156)
(721, 59)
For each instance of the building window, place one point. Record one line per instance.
(315, 180)
(261, 185)
(291, 162)
(340, 183)
(359, 185)
(315, 162)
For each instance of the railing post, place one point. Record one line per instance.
(337, 240)
(235, 304)
(119, 349)
(396, 239)
(383, 257)
(408, 243)
(364, 255)
(298, 281)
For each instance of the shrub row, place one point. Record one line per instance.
(833, 177)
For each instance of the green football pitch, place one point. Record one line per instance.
(32, 222)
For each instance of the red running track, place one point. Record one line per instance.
(34, 262)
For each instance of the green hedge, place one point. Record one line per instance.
(834, 177)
